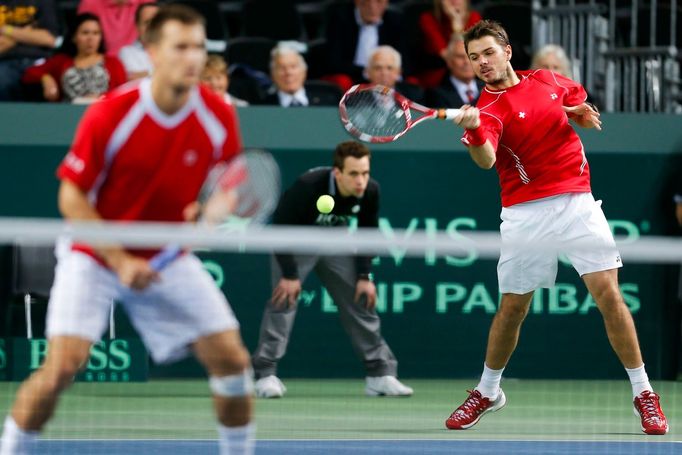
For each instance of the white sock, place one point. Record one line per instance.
(639, 380)
(16, 441)
(490, 382)
(237, 440)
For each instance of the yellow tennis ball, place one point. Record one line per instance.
(325, 203)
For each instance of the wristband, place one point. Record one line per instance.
(8, 30)
(476, 136)
(366, 276)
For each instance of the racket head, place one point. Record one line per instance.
(246, 189)
(378, 114)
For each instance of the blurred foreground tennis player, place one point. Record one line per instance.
(143, 154)
(521, 127)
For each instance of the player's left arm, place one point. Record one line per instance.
(367, 218)
(584, 115)
(574, 103)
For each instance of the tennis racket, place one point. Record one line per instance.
(243, 191)
(374, 113)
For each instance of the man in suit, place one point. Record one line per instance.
(353, 31)
(289, 71)
(460, 85)
(384, 67)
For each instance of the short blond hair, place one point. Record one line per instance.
(216, 63)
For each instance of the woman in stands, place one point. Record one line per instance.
(437, 27)
(80, 72)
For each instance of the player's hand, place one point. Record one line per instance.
(585, 115)
(469, 118)
(369, 290)
(134, 272)
(191, 212)
(286, 293)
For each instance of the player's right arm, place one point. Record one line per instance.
(132, 271)
(481, 150)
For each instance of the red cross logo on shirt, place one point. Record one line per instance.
(554, 96)
(522, 115)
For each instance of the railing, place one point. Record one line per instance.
(622, 72)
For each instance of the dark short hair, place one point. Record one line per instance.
(140, 7)
(486, 28)
(349, 148)
(172, 12)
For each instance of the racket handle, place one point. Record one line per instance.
(448, 114)
(165, 257)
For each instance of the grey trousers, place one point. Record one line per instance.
(363, 326)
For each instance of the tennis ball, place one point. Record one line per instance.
(325, 203)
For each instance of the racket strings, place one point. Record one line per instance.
(376, 113)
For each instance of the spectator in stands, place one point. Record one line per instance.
(289, 70)
(448, 18)
(216, 76)
(552, 57)
(134, 56)
(80, 72)
(28, 30)
(385, 68)
(460, 86)
(353, 32)
(117, 18)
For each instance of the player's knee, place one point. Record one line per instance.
(233, 385)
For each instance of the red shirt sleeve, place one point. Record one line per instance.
(117, 73)
(85, 159)
(492, 130)
(573, 92)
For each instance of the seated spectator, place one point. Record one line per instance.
(437, 28)
(354, 32)
(134, 56)
(289, 70)
(80, 72)
(117, 18)
(216, 76)
(28, 31)
(460, 86)
(552, 57)
(385, 68)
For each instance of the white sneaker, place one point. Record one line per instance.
(270, 387)
(387, 386)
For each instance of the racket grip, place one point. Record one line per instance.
(165, 257)
(448, 114)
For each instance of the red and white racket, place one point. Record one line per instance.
(246, 189)
(374, 113)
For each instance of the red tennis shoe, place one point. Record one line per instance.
(648, 408)
(473, 408)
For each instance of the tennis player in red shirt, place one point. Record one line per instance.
(521, 126)
(142, 154)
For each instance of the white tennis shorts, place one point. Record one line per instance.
(563, 218)
(168, 315)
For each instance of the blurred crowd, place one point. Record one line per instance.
(274, 52)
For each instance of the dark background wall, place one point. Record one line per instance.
(435, 311)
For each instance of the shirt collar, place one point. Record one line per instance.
(285, 99)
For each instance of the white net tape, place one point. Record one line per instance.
(240, 236)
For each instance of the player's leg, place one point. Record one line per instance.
(519, 272)
(275, 329)
(363, 327)
(231, 380)
(186, 312)
(599, 269)
(37, 397)
(78, 312)
(620, 327)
